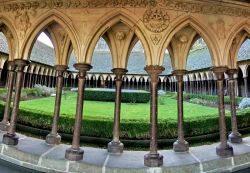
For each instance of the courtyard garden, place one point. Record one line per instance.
(200, 115)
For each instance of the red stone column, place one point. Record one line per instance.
(75, 153)
(10, 138)
(180, 145)
(115, 146)
(234, 136)
(153, 158)
(223, 149)
(4, 124)
(54, 138)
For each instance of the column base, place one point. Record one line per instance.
(224, 151)
(74, 154)
(153, 160)
(53, 139)
(4, 126)
(115, 147)
(180, 146)
(235, 137)
(10, 139)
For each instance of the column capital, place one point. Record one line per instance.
(11, 65)
(154, 69)
(61, 67)
(179, 72)
(119, 72)
(21, 63)
(82, 67)
(219, 71)
(231, 73)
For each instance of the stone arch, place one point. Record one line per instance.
(201, 30)
(241, 27)
(116, 16)
(53, 16)
(11, 36)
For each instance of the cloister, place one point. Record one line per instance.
(160, 26)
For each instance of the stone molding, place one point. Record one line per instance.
(203, 7)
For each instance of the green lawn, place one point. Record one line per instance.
(93, 109)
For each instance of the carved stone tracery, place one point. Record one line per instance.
(22, 22)
(192, 7)
(156, 19)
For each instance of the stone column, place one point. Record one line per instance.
(75, 153)
(223, 149)
(153, 158)
(245, 87)
(234, 136)
(115, 146)
(10, 138)
(4, 124)
(180, 145)
(54, 138)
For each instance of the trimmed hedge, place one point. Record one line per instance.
(209, 98)
(109, 95)
(130, 129)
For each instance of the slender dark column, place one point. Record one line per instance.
(153, 158)
(4, 124)
(245, 87)
(223, 149)
(180, 145)
(236, 86)
(10, 138)
(75, 153)
(54, 138)
(234, 136)
(115, 146)
(24, 79)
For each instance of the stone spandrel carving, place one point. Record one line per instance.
(22, 22)
(156, 19)
(156, 38)
(220, 27)
(120, 35)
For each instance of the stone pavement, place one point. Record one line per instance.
(36, 154)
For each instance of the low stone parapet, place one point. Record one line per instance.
(36, 154)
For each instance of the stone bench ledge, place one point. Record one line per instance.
(36, 154)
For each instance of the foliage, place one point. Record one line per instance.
(127, 96)
(245, 103)
(205, 98)
(134, 117)
(43, 90)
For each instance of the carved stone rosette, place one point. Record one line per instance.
(156, 19)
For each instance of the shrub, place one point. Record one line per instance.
(130, 129)
(109, 95)
(44, 90)
(244, 103)
(209, 98)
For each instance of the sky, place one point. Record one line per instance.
(45, 39)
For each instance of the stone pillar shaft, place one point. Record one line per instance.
(235, 136)
(153, 158)
(4, 124)
(11, 138)
(180, 145)
(53, 137)
(223, 149)
(115, 146)
(75, 153)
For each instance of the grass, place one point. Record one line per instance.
(167, 108)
